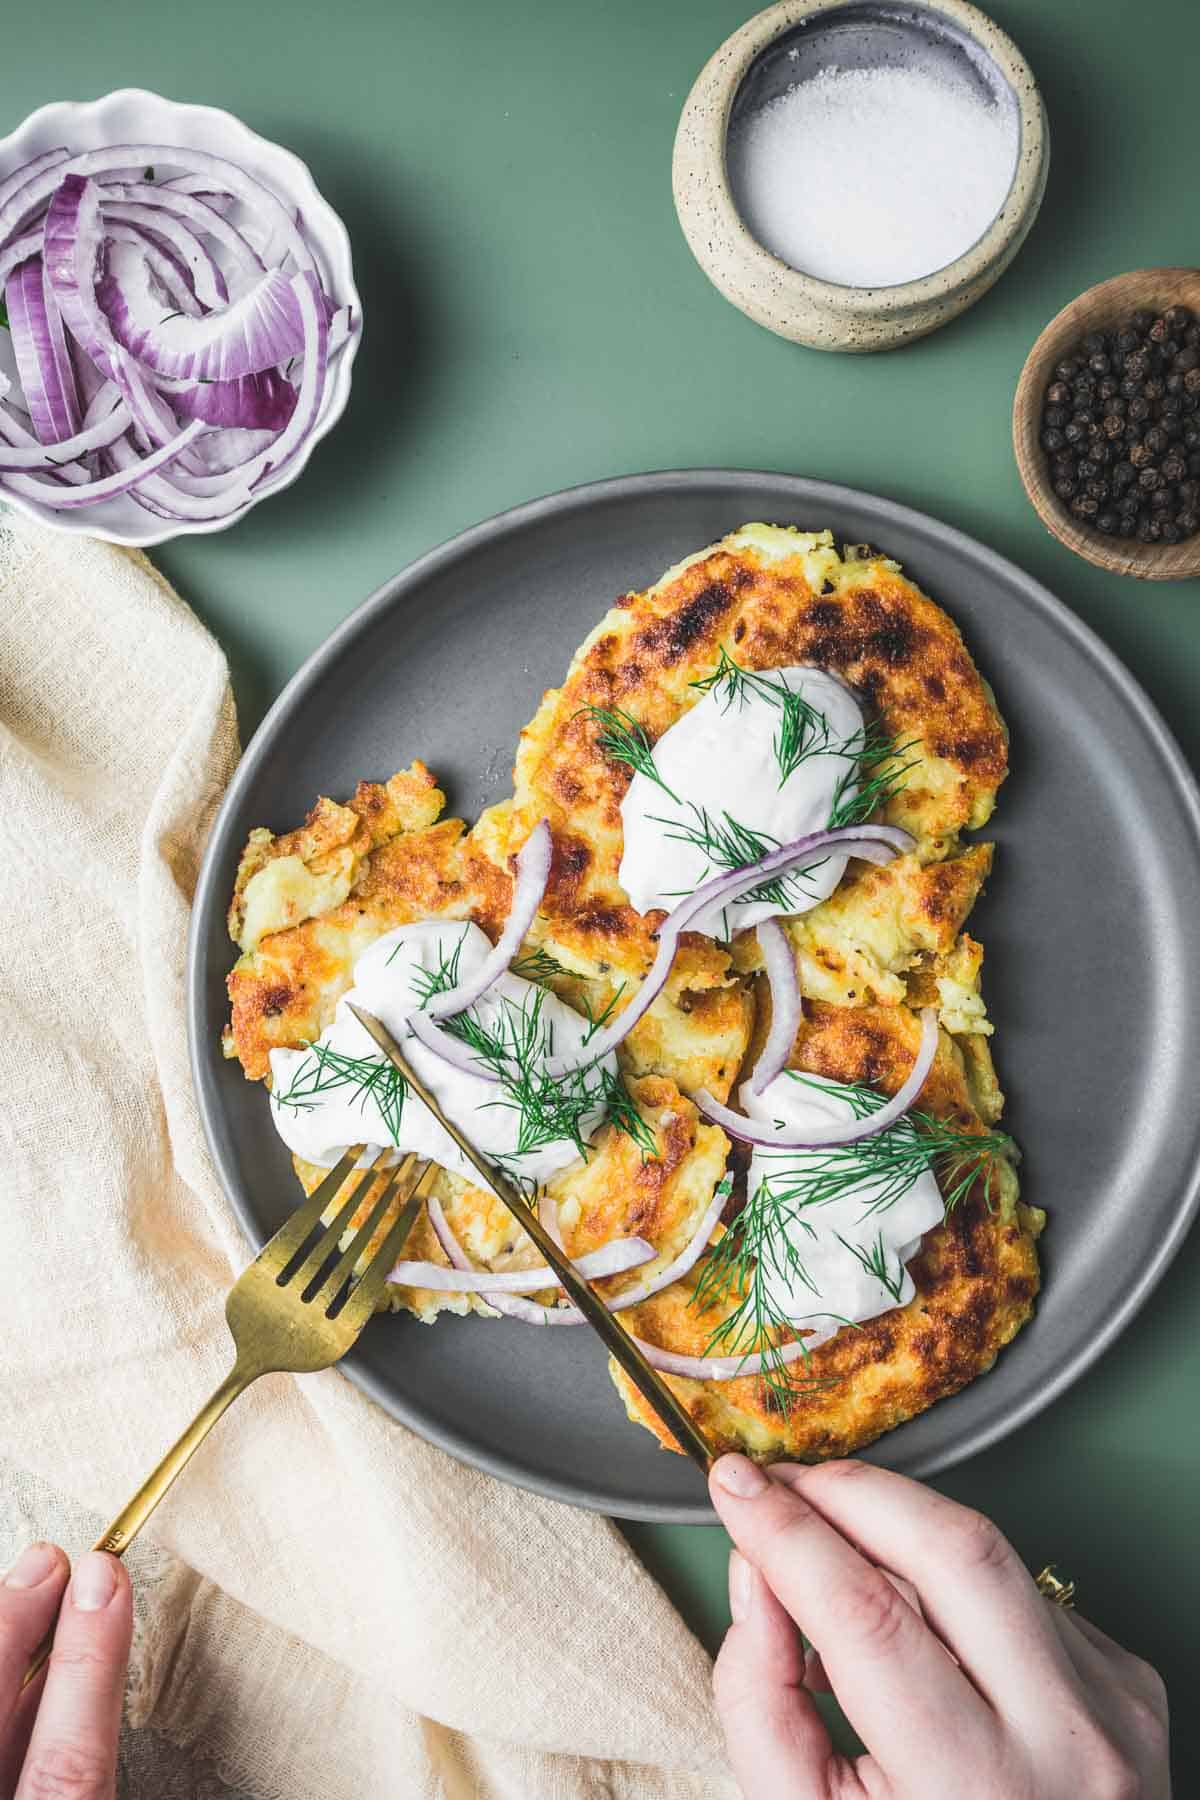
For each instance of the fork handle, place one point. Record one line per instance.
(129, 1521)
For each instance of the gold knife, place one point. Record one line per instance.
(646, 1379)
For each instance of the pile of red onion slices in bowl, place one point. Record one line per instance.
(171, 335)
(872, 843)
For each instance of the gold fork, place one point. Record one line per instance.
(287, 1312)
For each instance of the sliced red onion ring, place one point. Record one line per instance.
(688, 1257)
(42, 182)
(451, 1050)
(95, 437)
(23, 177)
(548, 1214)
(259, 330)
(510, 1304)
(19, 251)
(763, 1133)
(173, 212)
(40, 348)
(614, 1258)
(127, 243)
(720, 1368)
(720, 891)
(262, 402)
(785, 1004)
(533, 872)
(111, 485)
(14, 433)
(160, 228)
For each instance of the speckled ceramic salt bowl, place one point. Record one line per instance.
(792, 41)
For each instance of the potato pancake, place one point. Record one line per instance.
(976, 1278)
(888, 942)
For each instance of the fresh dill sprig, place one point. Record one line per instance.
(875, 775)
(429, 982)
(624, 1115)
(728, 844)
(762, 1256)
(803, 730)
(514, 1045)
(875, 1263)
(598, 1020)
(624, 740)
(374, 1078)
(536, 965)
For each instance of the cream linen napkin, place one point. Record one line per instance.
(345, 1611)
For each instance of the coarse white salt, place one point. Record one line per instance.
(869, 177)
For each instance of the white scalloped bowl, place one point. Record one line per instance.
(132, 115)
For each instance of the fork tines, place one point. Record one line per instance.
(298, 1263)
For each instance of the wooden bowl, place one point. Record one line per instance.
(1099, 309)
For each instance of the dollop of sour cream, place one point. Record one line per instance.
(835, 1243)
(318, 1116)
(719, 761)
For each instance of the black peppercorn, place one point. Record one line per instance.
(1074, 432)
(1148, 478)
(1112, 425)
(1171, 533)
(1170, 406)
(1170, 348)
(1099, 364)
(1127, 527)
(1194, 464)
(1178, 318)
(1052, 439)
(1084, 507)
(1123, 474)
(1131, 387)
(1068, 369)
(1142, 321)
(1138, 410)
(1174, 467)
(1127, 340)
(1192, 335)
(1108, 387)
(1065, 488)
(1156, 440)
(1149, 531)
(1188, 358)
(1094, 342)
(1188, 522)
(1191, 436)
(1129, 505)
(1191, 382)
(1058, 393)
(1088, 469)
(1154, 388)
(1140, 455)
(1137, 365)
(1158, 331)
(1055, 417)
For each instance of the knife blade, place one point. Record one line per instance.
(618, 1341)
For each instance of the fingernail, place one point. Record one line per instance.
(741, 1587)
(739, 1476)
(94, 1582)
(32, 1566)
(788, 1474)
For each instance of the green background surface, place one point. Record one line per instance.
(534, 319)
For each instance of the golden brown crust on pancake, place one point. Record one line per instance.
(618, 1192)
(284, 988)
(976, 1279)
(770, 598)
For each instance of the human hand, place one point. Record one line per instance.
(975, 1685)
(58, 1740)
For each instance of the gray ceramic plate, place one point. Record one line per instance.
(1090, 925)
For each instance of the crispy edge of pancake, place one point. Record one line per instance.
(616, 1192)
(976, 1278)
(407, 865)
(773, 597)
